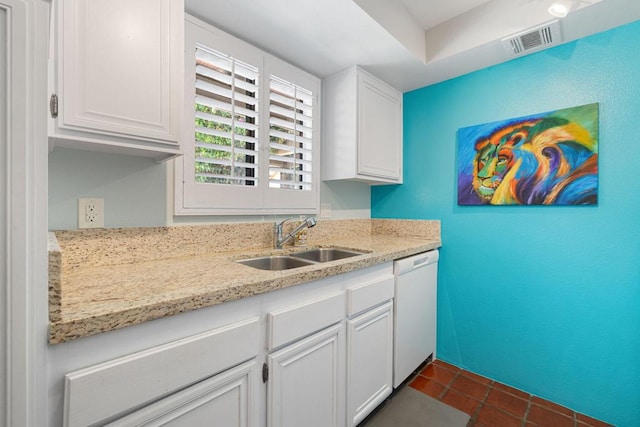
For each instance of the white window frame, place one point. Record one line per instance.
(192, 198)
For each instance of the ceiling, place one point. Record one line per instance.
(407, 43)
(429, 13)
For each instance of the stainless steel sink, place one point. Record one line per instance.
(275, 262)
(298, 259)
(326, 254)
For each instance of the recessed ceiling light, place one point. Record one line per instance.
(560, 8)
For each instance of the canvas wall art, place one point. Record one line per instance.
(543, 159)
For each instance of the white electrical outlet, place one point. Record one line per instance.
(90, 213)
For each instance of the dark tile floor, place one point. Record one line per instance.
(491, 404)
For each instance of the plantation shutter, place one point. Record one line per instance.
(227, 117)
(251, 131)
(290, 135)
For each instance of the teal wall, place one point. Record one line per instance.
(545, 299)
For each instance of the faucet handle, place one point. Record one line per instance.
(281, 223)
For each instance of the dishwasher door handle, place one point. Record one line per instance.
(414, 262)
(419, 262)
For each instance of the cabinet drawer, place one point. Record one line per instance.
(368, 294)
(97, 393)
(295, 322)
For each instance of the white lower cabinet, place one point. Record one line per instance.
(369, 341)
(226, 399)
(369, 361)
(324, 349)
(305, 344)
(98, 394)
(305, 381)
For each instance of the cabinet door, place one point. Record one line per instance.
(379, 129)
(306, 382)
(369, 379)
(226, 399)
(120, 66)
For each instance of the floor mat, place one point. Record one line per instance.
(411, 408)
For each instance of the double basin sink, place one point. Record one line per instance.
(299, 259)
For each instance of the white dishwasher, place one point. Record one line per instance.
(414, 311)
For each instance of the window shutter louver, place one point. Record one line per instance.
(290, 135)
(227, 117)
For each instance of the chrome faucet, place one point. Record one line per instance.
(279, 241)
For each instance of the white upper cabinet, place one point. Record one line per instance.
(117, 73)
(362, 129)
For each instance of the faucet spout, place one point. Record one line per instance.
(279, 240)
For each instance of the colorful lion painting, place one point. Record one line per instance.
(544, 159)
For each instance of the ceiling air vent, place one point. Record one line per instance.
(533, 39)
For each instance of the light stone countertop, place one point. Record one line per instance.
(89, 297)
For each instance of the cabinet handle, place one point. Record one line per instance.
(53, 105)
(265, 372)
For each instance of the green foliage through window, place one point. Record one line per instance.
(225, 130)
